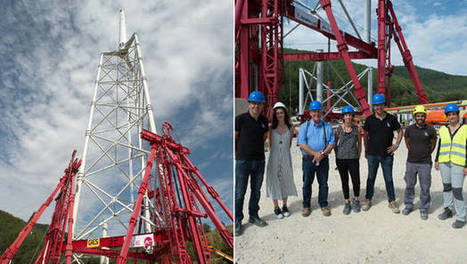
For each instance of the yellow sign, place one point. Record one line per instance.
(93, 242)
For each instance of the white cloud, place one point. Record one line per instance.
(183, 46)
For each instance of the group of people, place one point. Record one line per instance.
(316, 139)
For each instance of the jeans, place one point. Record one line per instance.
(386, 164)
(243, 170)
(424, 174)
(322, 170)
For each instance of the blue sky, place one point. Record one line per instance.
(434, 31)
(50, 51)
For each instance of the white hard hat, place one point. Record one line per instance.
(279, 104)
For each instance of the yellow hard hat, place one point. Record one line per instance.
(419, 109)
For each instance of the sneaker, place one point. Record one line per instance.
(278, 213)
(408, 210)
(238, 228)
(458, 224)
(326, 211)
(306, 211)
(446, 214)
(424, 214)
(394, 207)
(356, 206)
(347, 208)
(285, 211)
(366, 205)
(257, 221)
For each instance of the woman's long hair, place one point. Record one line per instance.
(275, 122)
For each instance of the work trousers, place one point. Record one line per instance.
(424, 175)
(453, 181)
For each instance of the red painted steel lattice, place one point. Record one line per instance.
(265, 72)
(175, 185)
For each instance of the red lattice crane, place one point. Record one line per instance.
(259, 56)
(178, 197)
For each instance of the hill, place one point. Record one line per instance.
(438, 86)
(10, 227)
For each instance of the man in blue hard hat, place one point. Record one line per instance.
(452, 161)
(250, 134)
(379, 148)
(316, 140)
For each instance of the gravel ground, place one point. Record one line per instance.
(375, 236)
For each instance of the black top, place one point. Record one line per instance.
(380, 133)
(420, 143)
(250, 136)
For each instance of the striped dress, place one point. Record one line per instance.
(279, 177)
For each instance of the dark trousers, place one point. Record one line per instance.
(309, 169)
(352, 166)
(244, 169)
(424, 174)
(386, 165)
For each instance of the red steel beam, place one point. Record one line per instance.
(406, 56)
(142, 190)
(351, 40)
(323, 56)
(343, 50)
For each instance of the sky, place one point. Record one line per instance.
(435, 31)
(49, 53)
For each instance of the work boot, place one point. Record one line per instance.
(424, 214)
(356, 206)
(326, 211)
(394, 207)
(458, 224)
(347, 208)
(257, 221)
(285, 211)
(446, 214)
(366, 205)
(306, 211)
(408, 210)
(238, 228)
(278, 213)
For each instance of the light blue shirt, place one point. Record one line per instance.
(313, 135)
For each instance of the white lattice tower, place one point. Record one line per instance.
(114, 156)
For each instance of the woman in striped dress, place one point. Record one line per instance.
(279, 180)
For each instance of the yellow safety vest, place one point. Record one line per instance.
(453, 150)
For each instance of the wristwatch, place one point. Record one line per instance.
(323, 153)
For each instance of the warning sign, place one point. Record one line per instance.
(142, 241)
(93, 242)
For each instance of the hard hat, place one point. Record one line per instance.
(279, 104)
(315, 105)
(378, 99)
(347, 110)
(451, 107)
(256, 96)
(419, 109)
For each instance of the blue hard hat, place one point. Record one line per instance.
(315, 105)
(378, 99)
(451, 107)
(256, 96)
(347, 110)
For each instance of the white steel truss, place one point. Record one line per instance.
(114, 155)
(306, 80)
